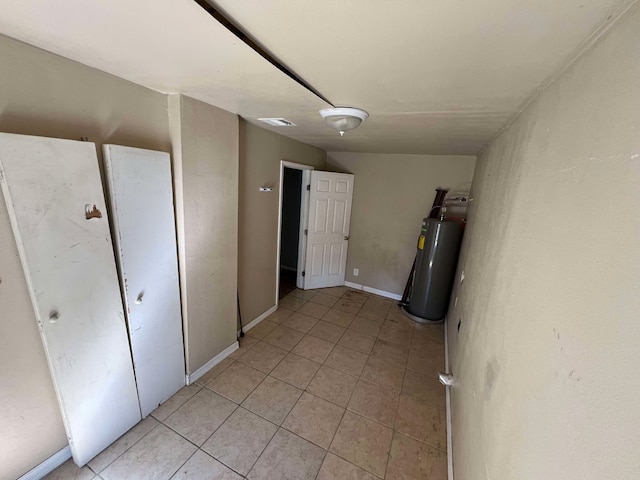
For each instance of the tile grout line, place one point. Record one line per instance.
(346, 409)
(276, 366)
(422, 373)
(220, 461)
(393, 434)
(238, 406)
(359, 377)
(183, 463)
(406, 367)
(288, 413)
(235, 359)
(303, 390)
(328, 450)
(265, 446)
(192, 443)
(216, 429)
(291, 384)
(130, 447)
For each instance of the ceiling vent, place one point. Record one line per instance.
(278, 122)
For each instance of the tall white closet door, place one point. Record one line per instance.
(141, 199)
(57, 209)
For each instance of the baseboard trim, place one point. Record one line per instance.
(364, 288)
(448, 402)
(49, 465)
(258, 319)
(212, 363)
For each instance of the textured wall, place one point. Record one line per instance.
(391, 196)
(547, 351)
(206, 155)
(43, 94)
(260, 155)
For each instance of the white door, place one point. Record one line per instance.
(59, 217)
(141, 199)
(328, 230)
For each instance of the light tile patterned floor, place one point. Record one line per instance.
(336, 384)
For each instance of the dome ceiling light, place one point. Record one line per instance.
(344, 118)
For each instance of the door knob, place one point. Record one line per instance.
(53, 316)
(346, 237)
(139, 299)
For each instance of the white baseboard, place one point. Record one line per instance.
(448, 402)
(212, 363)
(364, 288)
(258, 319)
(49, 465)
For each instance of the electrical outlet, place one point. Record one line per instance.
(356, 272)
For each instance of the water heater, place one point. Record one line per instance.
(436, 260)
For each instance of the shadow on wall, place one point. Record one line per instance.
(392, 194)
(261, 152)
(79, 128)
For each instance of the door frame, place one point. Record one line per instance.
(304, 217)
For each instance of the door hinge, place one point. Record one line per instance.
(309, 187)
(306, 231)
(304, 273)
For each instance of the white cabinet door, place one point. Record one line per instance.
(59, 217)
(328, 232)
(141, 199)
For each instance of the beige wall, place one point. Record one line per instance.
(29, 403)
(205, 141)
(391, 196)
(43, 94)
(260, 155)
(547, 355)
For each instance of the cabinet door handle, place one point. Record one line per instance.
(140, 297)
(53, 316)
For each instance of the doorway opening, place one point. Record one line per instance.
(294, 206)
(290, 229)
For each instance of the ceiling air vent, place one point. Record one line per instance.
(278, 122)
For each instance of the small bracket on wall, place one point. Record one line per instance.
(90, 212)
(265, 189)
(446, 379)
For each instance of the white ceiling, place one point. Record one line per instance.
(436, 76)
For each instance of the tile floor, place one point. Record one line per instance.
(336, 384)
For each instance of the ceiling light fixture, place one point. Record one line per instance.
(344, 118)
